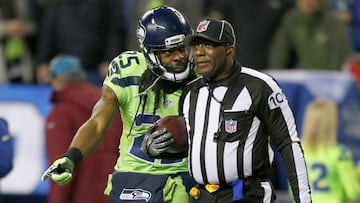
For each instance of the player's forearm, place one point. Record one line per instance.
(92, 132)
(87, 138)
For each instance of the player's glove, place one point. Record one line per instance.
(156, 142)
(60, 171)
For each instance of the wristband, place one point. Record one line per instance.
(74, 154)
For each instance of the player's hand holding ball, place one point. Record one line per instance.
(60, 171)
(166, 139)
(156, 142)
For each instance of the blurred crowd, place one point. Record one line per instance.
(272, 34)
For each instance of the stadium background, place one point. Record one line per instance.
(26, 107)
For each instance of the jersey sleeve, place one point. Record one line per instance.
(278, 118)
(124, 74)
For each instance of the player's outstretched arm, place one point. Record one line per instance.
(92, 132)
(86, 140)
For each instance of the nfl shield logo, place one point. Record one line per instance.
(167, 103)
(203, 25)
(230, 126)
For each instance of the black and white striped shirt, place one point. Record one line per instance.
(231, 123)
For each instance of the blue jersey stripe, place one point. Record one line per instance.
(124, 82)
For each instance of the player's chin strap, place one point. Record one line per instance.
(176, 77)
(161, 70)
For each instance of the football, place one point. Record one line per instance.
(177, 127)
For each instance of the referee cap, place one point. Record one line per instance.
(66, 66)
(217, 31)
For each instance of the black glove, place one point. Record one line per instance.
(156, 142)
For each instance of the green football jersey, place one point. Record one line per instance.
(124, 78)
(332, 174)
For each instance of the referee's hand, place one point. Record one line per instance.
(60, 171)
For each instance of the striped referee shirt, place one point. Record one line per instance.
(231, 124)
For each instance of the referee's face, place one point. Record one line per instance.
(212, 60)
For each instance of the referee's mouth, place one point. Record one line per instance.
(202, 64)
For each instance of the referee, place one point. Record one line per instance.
(233, 113)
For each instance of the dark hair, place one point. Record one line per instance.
(147, 79)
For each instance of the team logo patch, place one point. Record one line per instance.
(230, 126)
(141, 33)
(135, 194)
(203, 25)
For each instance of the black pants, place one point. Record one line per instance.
(254, 192)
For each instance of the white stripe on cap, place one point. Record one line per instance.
(222, 29)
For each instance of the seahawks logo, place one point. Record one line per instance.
(141, 32)
(135, 194)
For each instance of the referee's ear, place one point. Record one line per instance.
(230, 51)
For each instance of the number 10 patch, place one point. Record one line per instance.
(276, 99)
